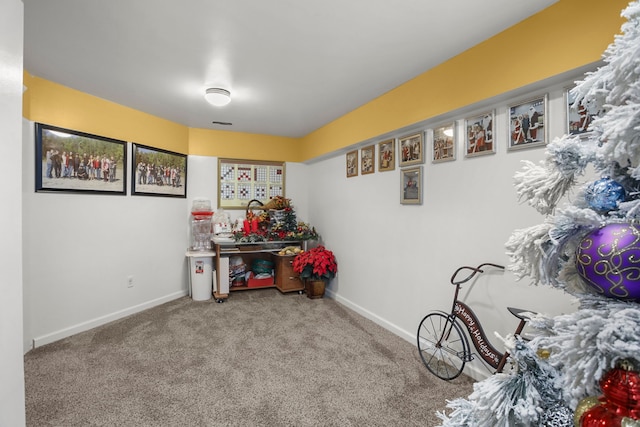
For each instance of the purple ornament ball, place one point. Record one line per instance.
(608, 260)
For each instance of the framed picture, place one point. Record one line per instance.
(387, 155)
(579, 116)
(71, 161)
(411, 149)
(367, 158)
(411, 186)
(479, 137)
(444, 147)
(242, 181)
(352, 163)
(157, 172)
(526, 124)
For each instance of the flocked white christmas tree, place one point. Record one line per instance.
(582, 367)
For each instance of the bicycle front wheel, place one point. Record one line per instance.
(442, 345)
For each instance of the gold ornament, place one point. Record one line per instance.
(543, 353)
(583, 406)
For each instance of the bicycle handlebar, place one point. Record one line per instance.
(474, 271)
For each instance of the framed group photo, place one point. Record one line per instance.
(580, 115)
(479, 136)
(411, 186)
(367, 158)
(527, 123)
(387, 155)
(157, 172)
(352, 163)
(411, 149)
(444, 148)
(76, 162)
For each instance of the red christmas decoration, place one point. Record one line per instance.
(621, 389)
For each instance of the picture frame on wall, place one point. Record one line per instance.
(479, 135)
(70, 161)
(580, 116)
(367, 159)
(527, 127)
(387, 155)
(444, 146)
(157, 172)
(242, 181)
(411, 149)
(352, 163)
(411, 186)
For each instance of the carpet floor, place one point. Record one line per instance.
(260, 359)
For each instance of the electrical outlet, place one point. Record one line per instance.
(130, 282)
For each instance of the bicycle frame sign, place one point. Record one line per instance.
(468, 317)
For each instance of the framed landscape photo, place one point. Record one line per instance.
(479, 135)
(157, 172)
(444, 147)
(352, 163)
(579, 116)
(411, 149)
(77, 162)
(527, 124)
(387, 155)
(411, 186)
(367, 158)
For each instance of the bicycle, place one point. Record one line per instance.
(444, 348)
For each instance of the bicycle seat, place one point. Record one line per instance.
(518, 313)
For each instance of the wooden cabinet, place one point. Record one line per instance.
(286, 279)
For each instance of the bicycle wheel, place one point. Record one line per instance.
(446, 355)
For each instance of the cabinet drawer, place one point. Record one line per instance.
(286, 279)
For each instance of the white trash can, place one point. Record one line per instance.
(201, 276)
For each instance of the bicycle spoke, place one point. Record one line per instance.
(441, 345)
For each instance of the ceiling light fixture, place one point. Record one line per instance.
(218, 97)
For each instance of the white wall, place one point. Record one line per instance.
(79, 250)
(395, 261)
(11, 362)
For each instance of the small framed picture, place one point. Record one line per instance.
(444, 147)
(157, 172)
(387, 155)
(411, 186)
(527, 124)
(75, 162)
(411, 149)
(580, 115)
(479, 137)
(352, 163)
(367, 158)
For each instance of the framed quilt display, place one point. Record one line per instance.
(240, 181)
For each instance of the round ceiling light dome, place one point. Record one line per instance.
(217, 96)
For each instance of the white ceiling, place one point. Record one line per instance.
(292, 66)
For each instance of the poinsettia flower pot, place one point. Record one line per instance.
(315, 288)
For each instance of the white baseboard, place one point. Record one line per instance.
(470, 369)
(408, 336)
(99, 321)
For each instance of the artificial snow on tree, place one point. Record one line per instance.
(589, 248)
(517, 399)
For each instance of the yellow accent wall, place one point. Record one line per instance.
(240, 145)
(567, 35)
(54, 104)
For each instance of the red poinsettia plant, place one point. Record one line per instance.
(318, 263)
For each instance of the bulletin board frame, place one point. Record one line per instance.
(241, 180)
